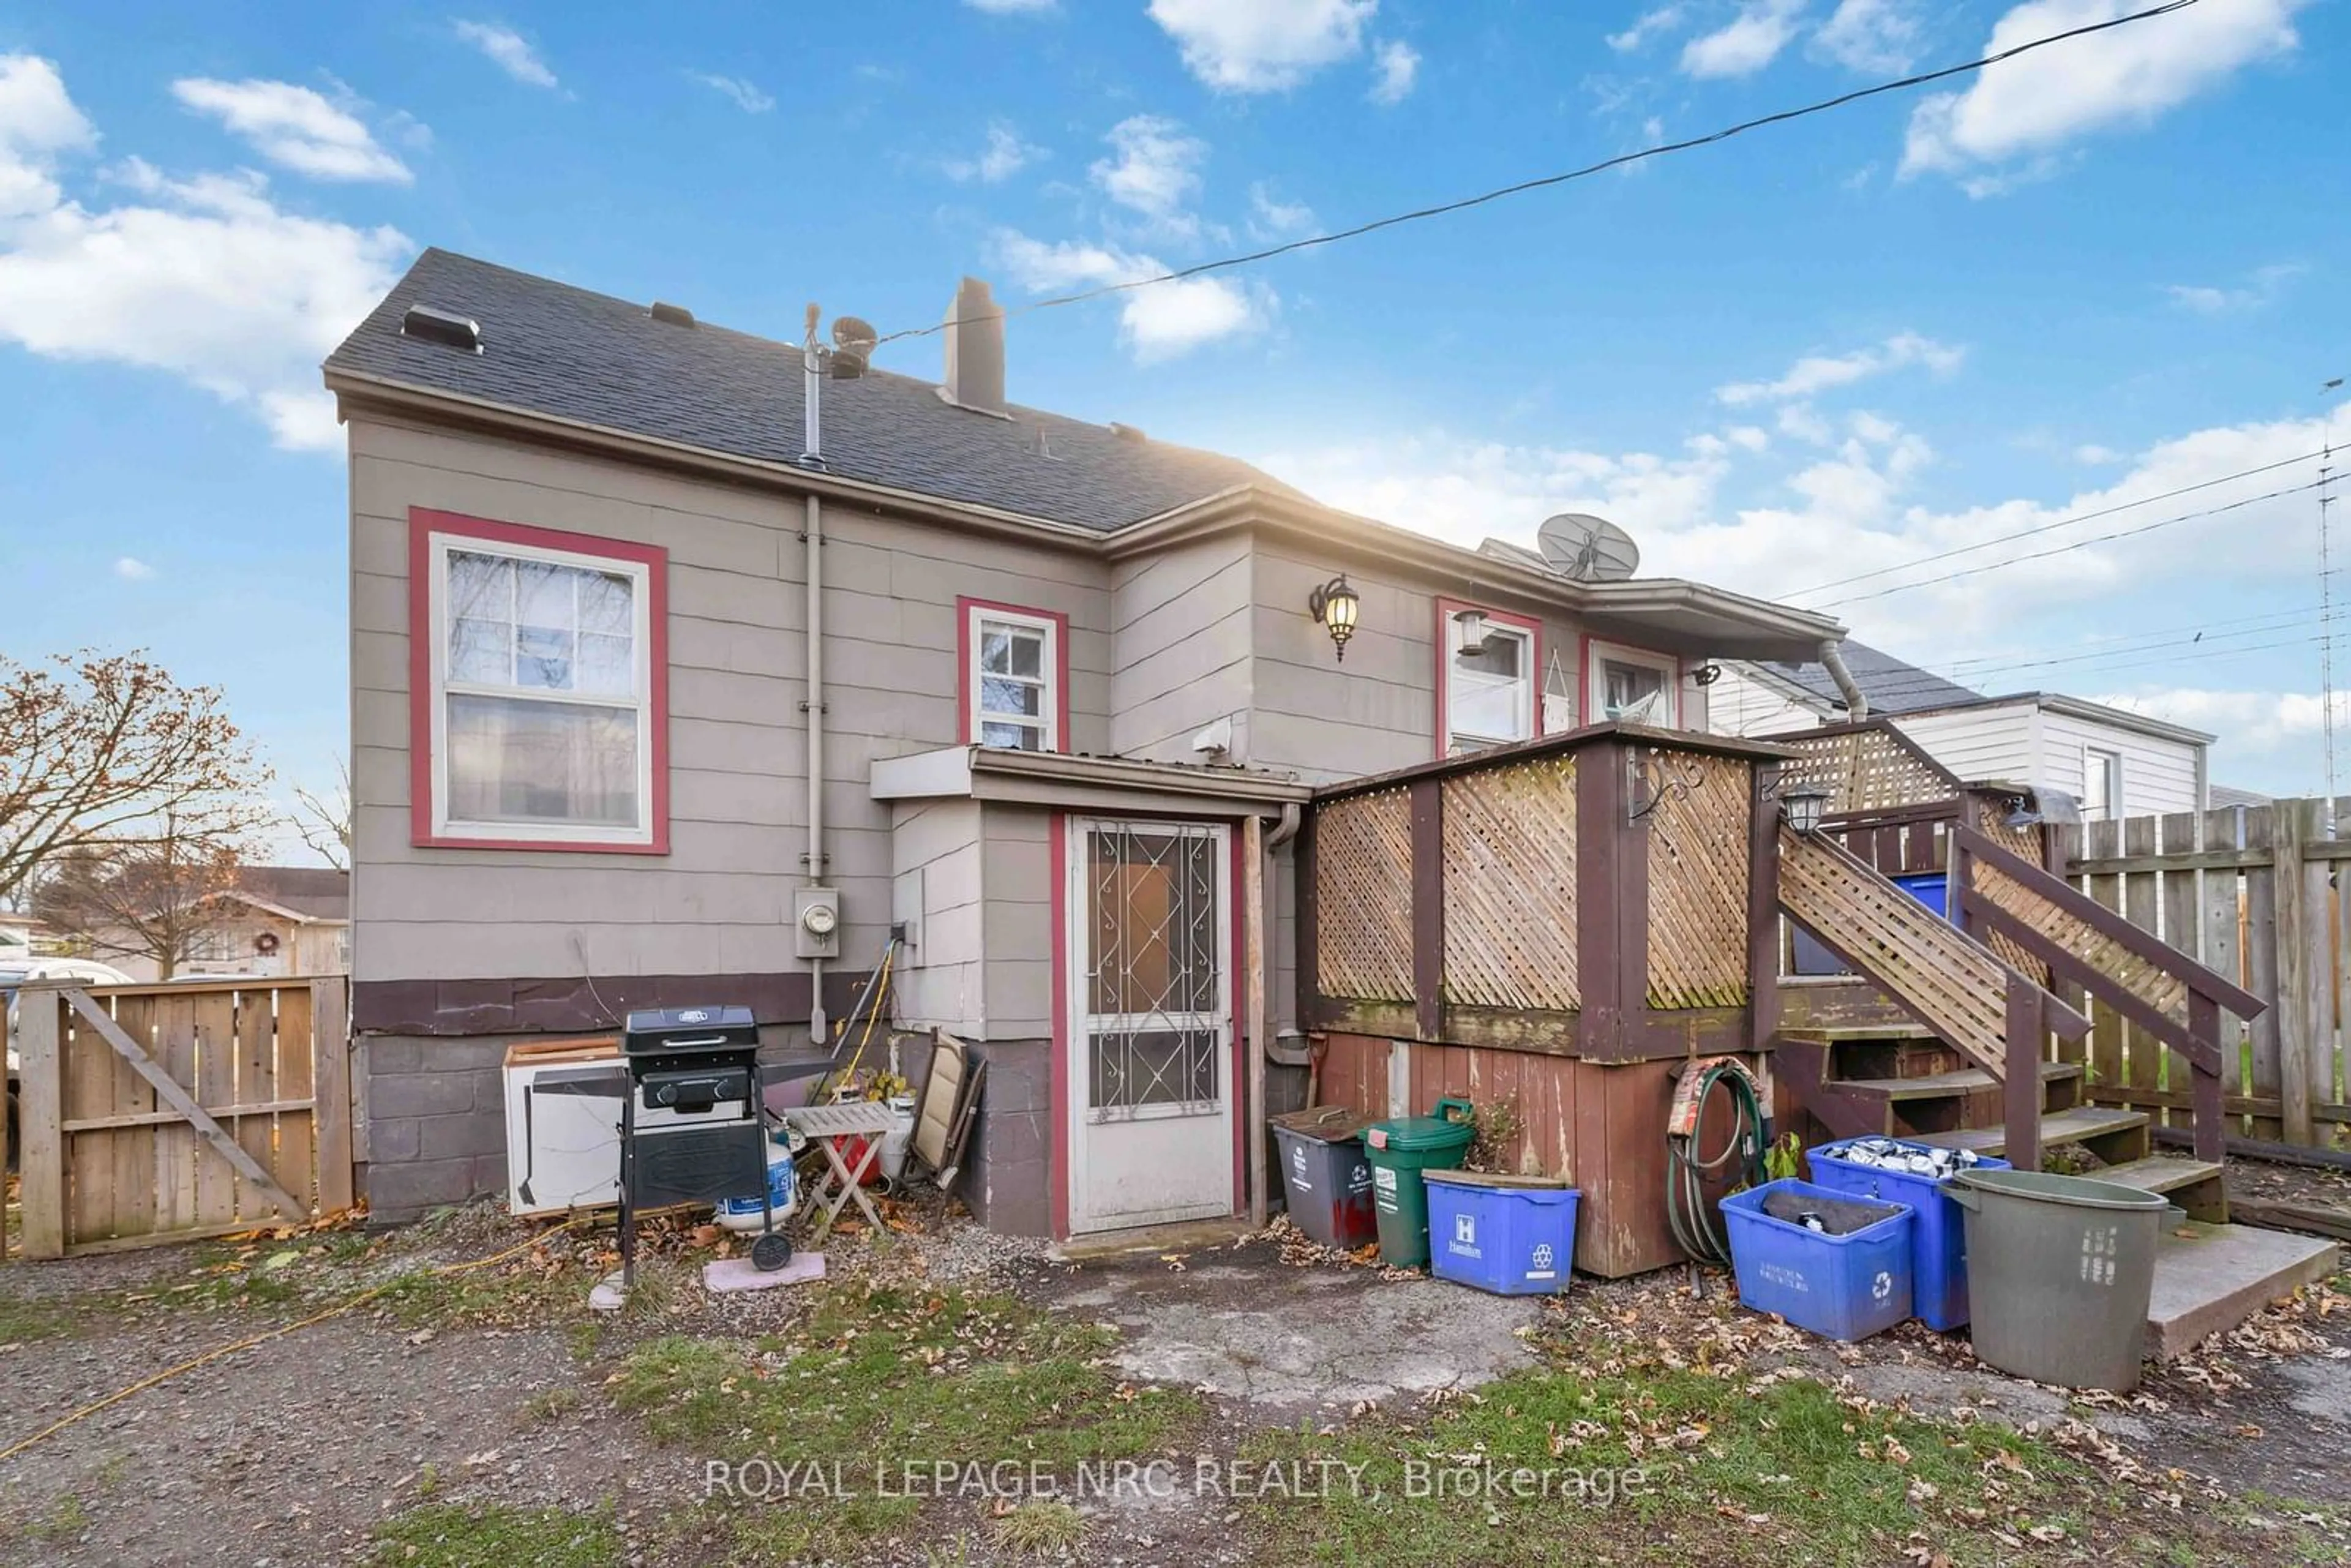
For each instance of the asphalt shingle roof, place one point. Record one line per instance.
(321, 892)
(1891, 685)
(549, 348)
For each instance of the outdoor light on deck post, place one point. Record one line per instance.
(1334, 604)
(1803, 806)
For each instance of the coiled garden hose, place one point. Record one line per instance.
(1697, 1232)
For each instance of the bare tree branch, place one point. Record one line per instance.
(325, 824)
(110, 750)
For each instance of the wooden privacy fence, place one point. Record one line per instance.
(164, 1113)
(2251, 893)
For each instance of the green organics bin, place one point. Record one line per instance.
(1399, 1151)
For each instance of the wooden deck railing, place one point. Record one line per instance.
(2144, 978)
(1973, 1000)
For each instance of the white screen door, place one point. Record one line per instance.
(1150, 1047)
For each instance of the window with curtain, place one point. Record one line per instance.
(1490, 694)
(544, 694)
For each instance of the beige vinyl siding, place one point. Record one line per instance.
(1327, 720)
(937, 862)
(1017, 880)
(718, 902)
(1180, 645)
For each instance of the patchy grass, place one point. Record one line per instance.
(23, 1321)
(1669, 1467)
(898, 1374)
(880, 1378)
(1041, 1527)
(553, 1405)
(451, 1536)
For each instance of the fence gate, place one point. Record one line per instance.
(165, 1112)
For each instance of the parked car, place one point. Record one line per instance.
(15, 973)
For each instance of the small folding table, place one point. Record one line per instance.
(832, 1127)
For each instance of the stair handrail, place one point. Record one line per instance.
(2196, 1038)
(2028, 1010)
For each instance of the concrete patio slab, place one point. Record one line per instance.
(2210, 1278)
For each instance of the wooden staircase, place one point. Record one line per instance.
(1971, 1067)
(1899, 1081)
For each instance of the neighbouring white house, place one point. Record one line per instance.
(2115, 762)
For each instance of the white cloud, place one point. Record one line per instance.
(1262, 45)
(1649, 24)
(2030, 108)
(207, 277)
(2262, 288)
(1157, 169)
(746, 94)
(130, 569)
(1875, 38)
(1745, 44)
(1012, 7)
(1272, 218)
(1397, 64)
(1158, 322)
(1818, 373)
(37, 123)
(1004, 156)
(2096, 456)
(294, 128)
(509, 50)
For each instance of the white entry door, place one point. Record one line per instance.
(1150, 1010)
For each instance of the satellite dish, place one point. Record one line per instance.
(1587, 549)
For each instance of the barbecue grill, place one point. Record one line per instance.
(692, 1127)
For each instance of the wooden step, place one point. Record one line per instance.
(2081, 1124)
(1936, 1085)
(1862, 1031)
(2196, 1185)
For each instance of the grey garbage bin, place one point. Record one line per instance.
(2060, 1270)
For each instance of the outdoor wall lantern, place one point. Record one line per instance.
(1334, 604)
(1802, 805)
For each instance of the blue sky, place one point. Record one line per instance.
(1901, 329)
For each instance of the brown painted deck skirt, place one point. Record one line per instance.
(1600, 1124)
(457, 1009)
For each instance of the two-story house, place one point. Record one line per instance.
(638, 684)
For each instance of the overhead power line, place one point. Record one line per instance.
(1442, 209)
(2067, 549)
(2060, 523)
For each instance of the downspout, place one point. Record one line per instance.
(1278, 838)
(1856, 707)
(812, 537)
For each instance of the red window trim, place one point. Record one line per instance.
(965, 605)
(1448, 608)
(422, 524)
(1583, 673)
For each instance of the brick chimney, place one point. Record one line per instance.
(975, 334)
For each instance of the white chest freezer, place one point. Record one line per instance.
(563, 1126)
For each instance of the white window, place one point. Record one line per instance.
(542, 716)
(1489, 686)
(2102, 785)
(1635, 685)
(1013, 679)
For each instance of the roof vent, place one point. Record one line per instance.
(1126, 431)
(442, 327)
(675, 315)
